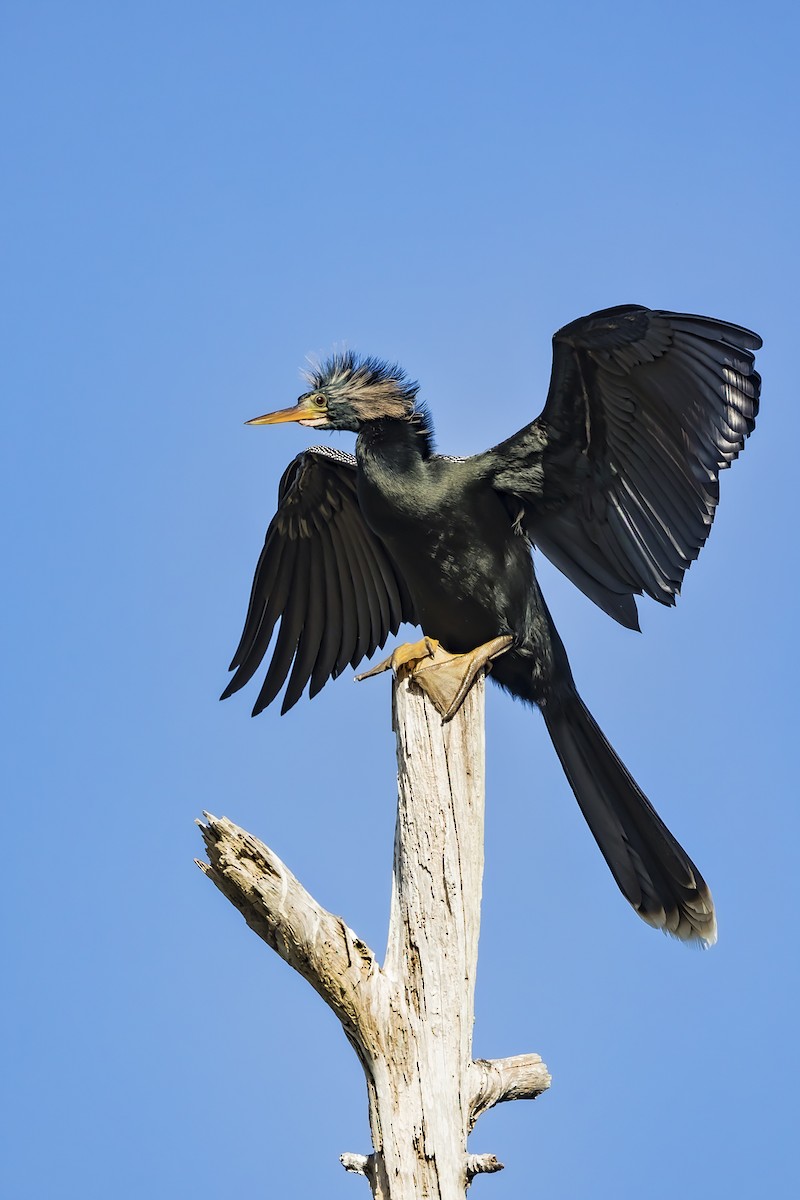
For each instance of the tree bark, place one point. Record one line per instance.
(410, 1022)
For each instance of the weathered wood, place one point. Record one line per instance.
(409, 1022)
(418, 1077)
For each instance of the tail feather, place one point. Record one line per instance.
(652, 870)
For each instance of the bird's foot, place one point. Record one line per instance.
(404, 660)
(445, 678)
(448, 678)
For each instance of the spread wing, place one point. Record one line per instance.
(325, 576)
(619, 476)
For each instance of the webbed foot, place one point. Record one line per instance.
(445, 678)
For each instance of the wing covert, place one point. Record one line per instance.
(325, 576)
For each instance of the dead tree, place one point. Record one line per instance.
(410, 1020)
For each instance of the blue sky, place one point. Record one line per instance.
(196, 197)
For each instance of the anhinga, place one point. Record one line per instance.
(616, 482)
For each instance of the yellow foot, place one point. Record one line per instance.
(445, 678)
(409, 655)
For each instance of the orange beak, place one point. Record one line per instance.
(306, 412)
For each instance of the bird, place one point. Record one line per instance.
(616, 482)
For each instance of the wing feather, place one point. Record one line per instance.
(376, 590)
(268, 566)
(352, 615)
(273, 594)
(323, 578)
(310, 634)
(333, 626)
(289, 630)
(361, 591)
(619, 475)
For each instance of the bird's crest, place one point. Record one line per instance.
(372, 387)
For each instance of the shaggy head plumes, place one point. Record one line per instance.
(370, 388)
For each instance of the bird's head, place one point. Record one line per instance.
(347, 392)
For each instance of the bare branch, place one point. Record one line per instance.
(359, 1164)
(482, 1164)
(276, 906)
(492, 1081)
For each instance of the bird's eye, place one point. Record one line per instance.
(319, 401)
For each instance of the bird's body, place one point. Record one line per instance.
(616, 482)
(470, 576)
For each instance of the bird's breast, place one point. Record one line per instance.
(468, 573)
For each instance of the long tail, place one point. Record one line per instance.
(654, 873)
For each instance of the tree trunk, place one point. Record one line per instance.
(410, 1022)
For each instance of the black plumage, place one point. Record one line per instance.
(617, 482)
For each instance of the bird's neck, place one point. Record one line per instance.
(402, 441)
